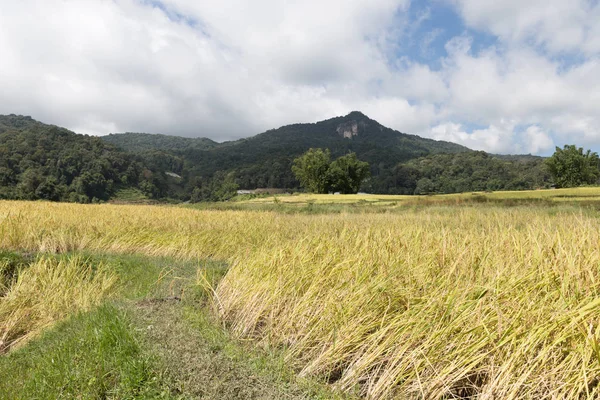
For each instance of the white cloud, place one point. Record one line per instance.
(504, 137)
(129, 66)
(537, 141)
(557, 25)
(496, 138)
(235, 68)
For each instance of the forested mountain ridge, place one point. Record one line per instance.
(39, 161)
(265, 160)
(139, 142)
(464, 172)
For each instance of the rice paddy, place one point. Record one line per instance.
(444, 301)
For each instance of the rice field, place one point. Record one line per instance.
(476, 301)
(558, 195)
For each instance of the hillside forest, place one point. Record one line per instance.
(46, 162)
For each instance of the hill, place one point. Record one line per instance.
(39, 161)
(139, 142)
(265, 160)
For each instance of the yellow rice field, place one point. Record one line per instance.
(571, 194)
(434, 303)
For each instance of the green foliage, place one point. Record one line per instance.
(312, 170)
(44, 162)
(220, 187)
(39, 161)
(347, 173)
(571, 167)
(141, 142)
(318, 175)
(462, 172)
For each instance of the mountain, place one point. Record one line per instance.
(138, 142)
(39, 161)
(265, 160)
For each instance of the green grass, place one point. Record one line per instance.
(129, 195)
(94, 355)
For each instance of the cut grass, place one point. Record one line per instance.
(551, 194)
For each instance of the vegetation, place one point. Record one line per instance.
(93, 356)
(462, 172)
(144, 142)
(46, 292)
(347, 173)
(221, 187)
(464, 301)
(312, 170)
(571, 167)
(318, 175)
(39, 161)
(142, 343)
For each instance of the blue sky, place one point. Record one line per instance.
(517, 76)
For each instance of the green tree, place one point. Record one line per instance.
(425, 186)
(50, 189)
(571, 166)
(311, 169)
(221, 187)
(347, 173)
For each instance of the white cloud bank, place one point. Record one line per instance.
(235, 68)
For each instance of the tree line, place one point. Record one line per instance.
(570, 166)
(39, 161)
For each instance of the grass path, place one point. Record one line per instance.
(199, 359)
(156, 340)
(198, 366)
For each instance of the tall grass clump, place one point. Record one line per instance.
(485, 304)
(47, 291)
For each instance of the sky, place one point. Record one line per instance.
(511, 76)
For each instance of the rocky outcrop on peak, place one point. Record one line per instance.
(348, 129)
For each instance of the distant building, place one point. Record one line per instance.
(173, 174)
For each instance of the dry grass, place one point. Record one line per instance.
(476, 303)
(47, 291)
(470, 302)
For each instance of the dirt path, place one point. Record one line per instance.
(199, 367)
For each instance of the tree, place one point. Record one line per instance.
(347, 173)
(50, 189)
(221, 187)
(571, 167)
(424, 186)
(311, 169)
